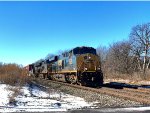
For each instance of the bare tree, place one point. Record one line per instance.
(119, 59)
(50, 55)
(140, 38)
(40, 60)
(136, 51)
(102, 52)
(59, 52)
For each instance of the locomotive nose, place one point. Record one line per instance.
(88, 63)
(87, 57)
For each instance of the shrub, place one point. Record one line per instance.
(13, 74)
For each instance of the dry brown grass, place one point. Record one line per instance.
(136, 76)
(13, 74)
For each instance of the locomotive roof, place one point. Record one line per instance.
(83, 47)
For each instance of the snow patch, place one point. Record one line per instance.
(33, 99)
(5, 93)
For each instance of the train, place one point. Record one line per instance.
(80, 65)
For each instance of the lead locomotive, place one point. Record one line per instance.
(80, 65)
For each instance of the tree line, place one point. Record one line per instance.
(128, 58)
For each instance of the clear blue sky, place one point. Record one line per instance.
(31, 30)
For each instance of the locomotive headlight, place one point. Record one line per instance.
(89, 57)
(85, 68)
(98, 68)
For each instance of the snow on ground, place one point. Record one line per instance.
(4, 95)
(33, 99)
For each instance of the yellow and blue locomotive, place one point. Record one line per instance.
(80, 65)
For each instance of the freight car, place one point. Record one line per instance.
(80, 65)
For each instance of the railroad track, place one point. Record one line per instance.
(141, 95)
(139, 90)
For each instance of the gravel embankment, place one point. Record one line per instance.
(101, 100)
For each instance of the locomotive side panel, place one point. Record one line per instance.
(64, 67)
